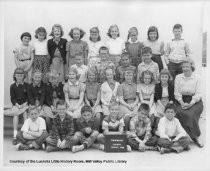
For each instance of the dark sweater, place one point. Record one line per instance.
(159, 89)
(52, 46)
(18, 94)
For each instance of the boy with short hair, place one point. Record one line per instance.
(88, 129)
(147, 64)
(125, 64)
(173, 137)
(176, 51)
(112, 124)
(80, 67)
(33, 132)
(139, 137)
(62, 135)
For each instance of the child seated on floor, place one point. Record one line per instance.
(62, 135)
(33, 132)
(173, 137)
(139, 136)
(112, 124)
(88, 129)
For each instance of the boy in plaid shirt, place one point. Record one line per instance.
(62, 135)
(139, 137)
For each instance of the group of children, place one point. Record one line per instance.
(77, 92)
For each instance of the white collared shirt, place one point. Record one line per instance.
(167, 128)
(188, 86)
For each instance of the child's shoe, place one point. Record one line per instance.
(43, 147)
(14, 141)
(151, 148)
(77, 148)
(20, 147)
(50, 148)
(98, 146)
(187, 148)
(164, 150)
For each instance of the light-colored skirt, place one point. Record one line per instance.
(15, 111)
(98, 109)
(76, 113)
(47, 112)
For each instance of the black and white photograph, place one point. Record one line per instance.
(104, 85)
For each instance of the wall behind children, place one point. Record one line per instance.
(21, 16)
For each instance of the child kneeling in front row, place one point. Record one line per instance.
(88, 129)
(173, 137)
(62, 135)
(139, 136)
(33, 132)
(112, 124)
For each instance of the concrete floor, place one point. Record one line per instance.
(195, 159)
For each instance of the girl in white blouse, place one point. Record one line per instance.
(109, 90)
(188, 94)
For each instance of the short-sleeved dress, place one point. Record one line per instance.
(91, 92)
(24, 58)
(74, 91)
(128, 92)
(76, 47)
(147, 91)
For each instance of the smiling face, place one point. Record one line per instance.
(53, 80)
(57, 32)
(109, 74)
(61, 109)
(133, 36)
(114, 32)
(76, 34)
(164, 78)
(169, 114)
(143, 114)
(19, 78)
(146, 57)
(128, 76)
(26, 40)
(177, 33)
(147, 79)
(91, 76)
(114, 111)
(72, 76)
(37, 77)
(186, 68)
(153, 35)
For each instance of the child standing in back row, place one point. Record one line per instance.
(176, 51)
(156, 46)
(57, 51)
(24, 55)
(134, 47)
(115, 44)
(41, 58)
(76, 46)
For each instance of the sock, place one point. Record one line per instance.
(14, 133)
(30, 146)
